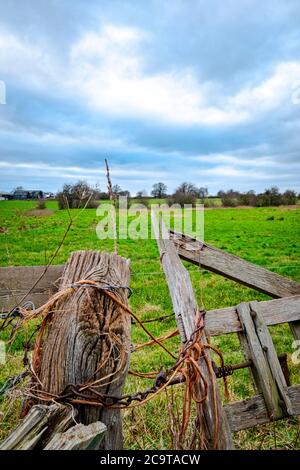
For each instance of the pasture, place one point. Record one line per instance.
(268, 237)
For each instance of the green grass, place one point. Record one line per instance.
(266, 236)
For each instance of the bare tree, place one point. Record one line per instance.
(159, 190)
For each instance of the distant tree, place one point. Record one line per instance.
(202, 193)
(289, 197)
(142, 193)
(116, 189)
(188, 188)
(274, 196)
(271, 197)
(124, 193)
(229, 198)
(182, 198)
(141, 199)
(76, 196)
(98, 194)
(186, 193)
(248, 199)
(159, 190)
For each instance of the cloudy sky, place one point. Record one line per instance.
(195, 90)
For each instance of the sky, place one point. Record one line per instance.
(183, 90)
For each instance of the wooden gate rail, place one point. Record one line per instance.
(233, 267)
(252, 411)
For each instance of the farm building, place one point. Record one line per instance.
(22, 194)
(5, 196)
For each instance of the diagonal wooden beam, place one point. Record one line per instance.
(233, 267)
(185, 309)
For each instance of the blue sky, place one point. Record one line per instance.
(181, 90)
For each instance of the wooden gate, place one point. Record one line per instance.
(250, 320)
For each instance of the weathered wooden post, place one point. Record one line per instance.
(88, 337)
(185, 309)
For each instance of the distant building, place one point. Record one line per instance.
(5, 196)
(23, 194)
(49, 195)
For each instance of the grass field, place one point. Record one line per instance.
(266, 236)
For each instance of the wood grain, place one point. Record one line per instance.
(38, 427)
(185, 309)
(89, 337)
(263, 373)
(225, 320)
(233, 267)
(271, 356)
(79, 437)
(16, 281)
(253, 411)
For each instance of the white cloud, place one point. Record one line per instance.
(39, 168)
(232, 172)
(26, 63)
(271, 92)
(238, 160)
(251, 159)
(110, 74)
(107, 71)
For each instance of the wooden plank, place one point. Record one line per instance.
(185, 309)
(247, 354)
(225, 320)
(79, 437)
(15, 282)
(37, 428)
(263, 374)
(271, 355)
(233, 267)
(252, 411)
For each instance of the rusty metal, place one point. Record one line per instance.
(228, 369)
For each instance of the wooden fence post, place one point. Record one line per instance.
(89, 337)
(185, 309)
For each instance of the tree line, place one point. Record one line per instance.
(81, 194)
(270, 197)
